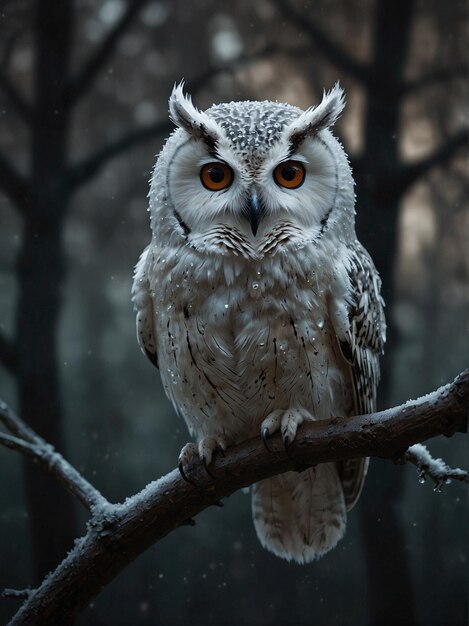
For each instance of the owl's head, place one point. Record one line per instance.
(251, 177)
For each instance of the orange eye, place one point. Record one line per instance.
(289, 174)
(216, 176)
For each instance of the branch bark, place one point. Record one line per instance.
(26, 441)
(117, 534)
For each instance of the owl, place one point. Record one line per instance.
(256, 301)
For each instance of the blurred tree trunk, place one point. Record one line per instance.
(378, 192)
(378, 171)
(43, 199)
(40, 273)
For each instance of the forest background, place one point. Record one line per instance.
(83, 112)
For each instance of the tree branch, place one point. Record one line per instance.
(8, 355)
(83, 171)
(13, 184)
(26, 441)
(437, 469)
(411, 173)
(79, 85)
(117, 534)
(433, 78)
(17, 594)
(331, 50)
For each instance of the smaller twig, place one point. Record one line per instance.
(436, 469)
(26, 441)
(16, 425)
(17, 594)
(411, 173)
(433, 78)
(15, 443)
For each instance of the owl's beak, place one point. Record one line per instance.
(253, 211)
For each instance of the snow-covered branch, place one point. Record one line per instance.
(23, 439)
(17, 594)
(439, 472)
(118, 533)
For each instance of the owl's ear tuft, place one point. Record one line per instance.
(317, 118)
(185, 115)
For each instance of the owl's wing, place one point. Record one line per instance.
(361, 345)
(144, 309)
(367, 331)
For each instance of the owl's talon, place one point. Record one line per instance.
(270, 426)
(265, 436)
(187, 456)
(181, 471)
(285, 421)
(184, 475)
(206, 447)
(205, 464)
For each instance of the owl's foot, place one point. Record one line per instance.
(186, 456)
(203, 451)
(285, 421)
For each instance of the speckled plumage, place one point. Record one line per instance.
(270, 329)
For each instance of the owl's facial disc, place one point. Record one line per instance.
(253, 168)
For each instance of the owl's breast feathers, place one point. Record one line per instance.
(227, 240)
(237, 339)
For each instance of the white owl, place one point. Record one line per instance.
(256, 301)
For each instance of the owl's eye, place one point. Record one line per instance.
(216, 176)
(289, 174)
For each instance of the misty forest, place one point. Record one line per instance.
(84, 90)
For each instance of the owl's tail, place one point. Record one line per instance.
(300, 516)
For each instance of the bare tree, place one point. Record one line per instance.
(42, 199)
